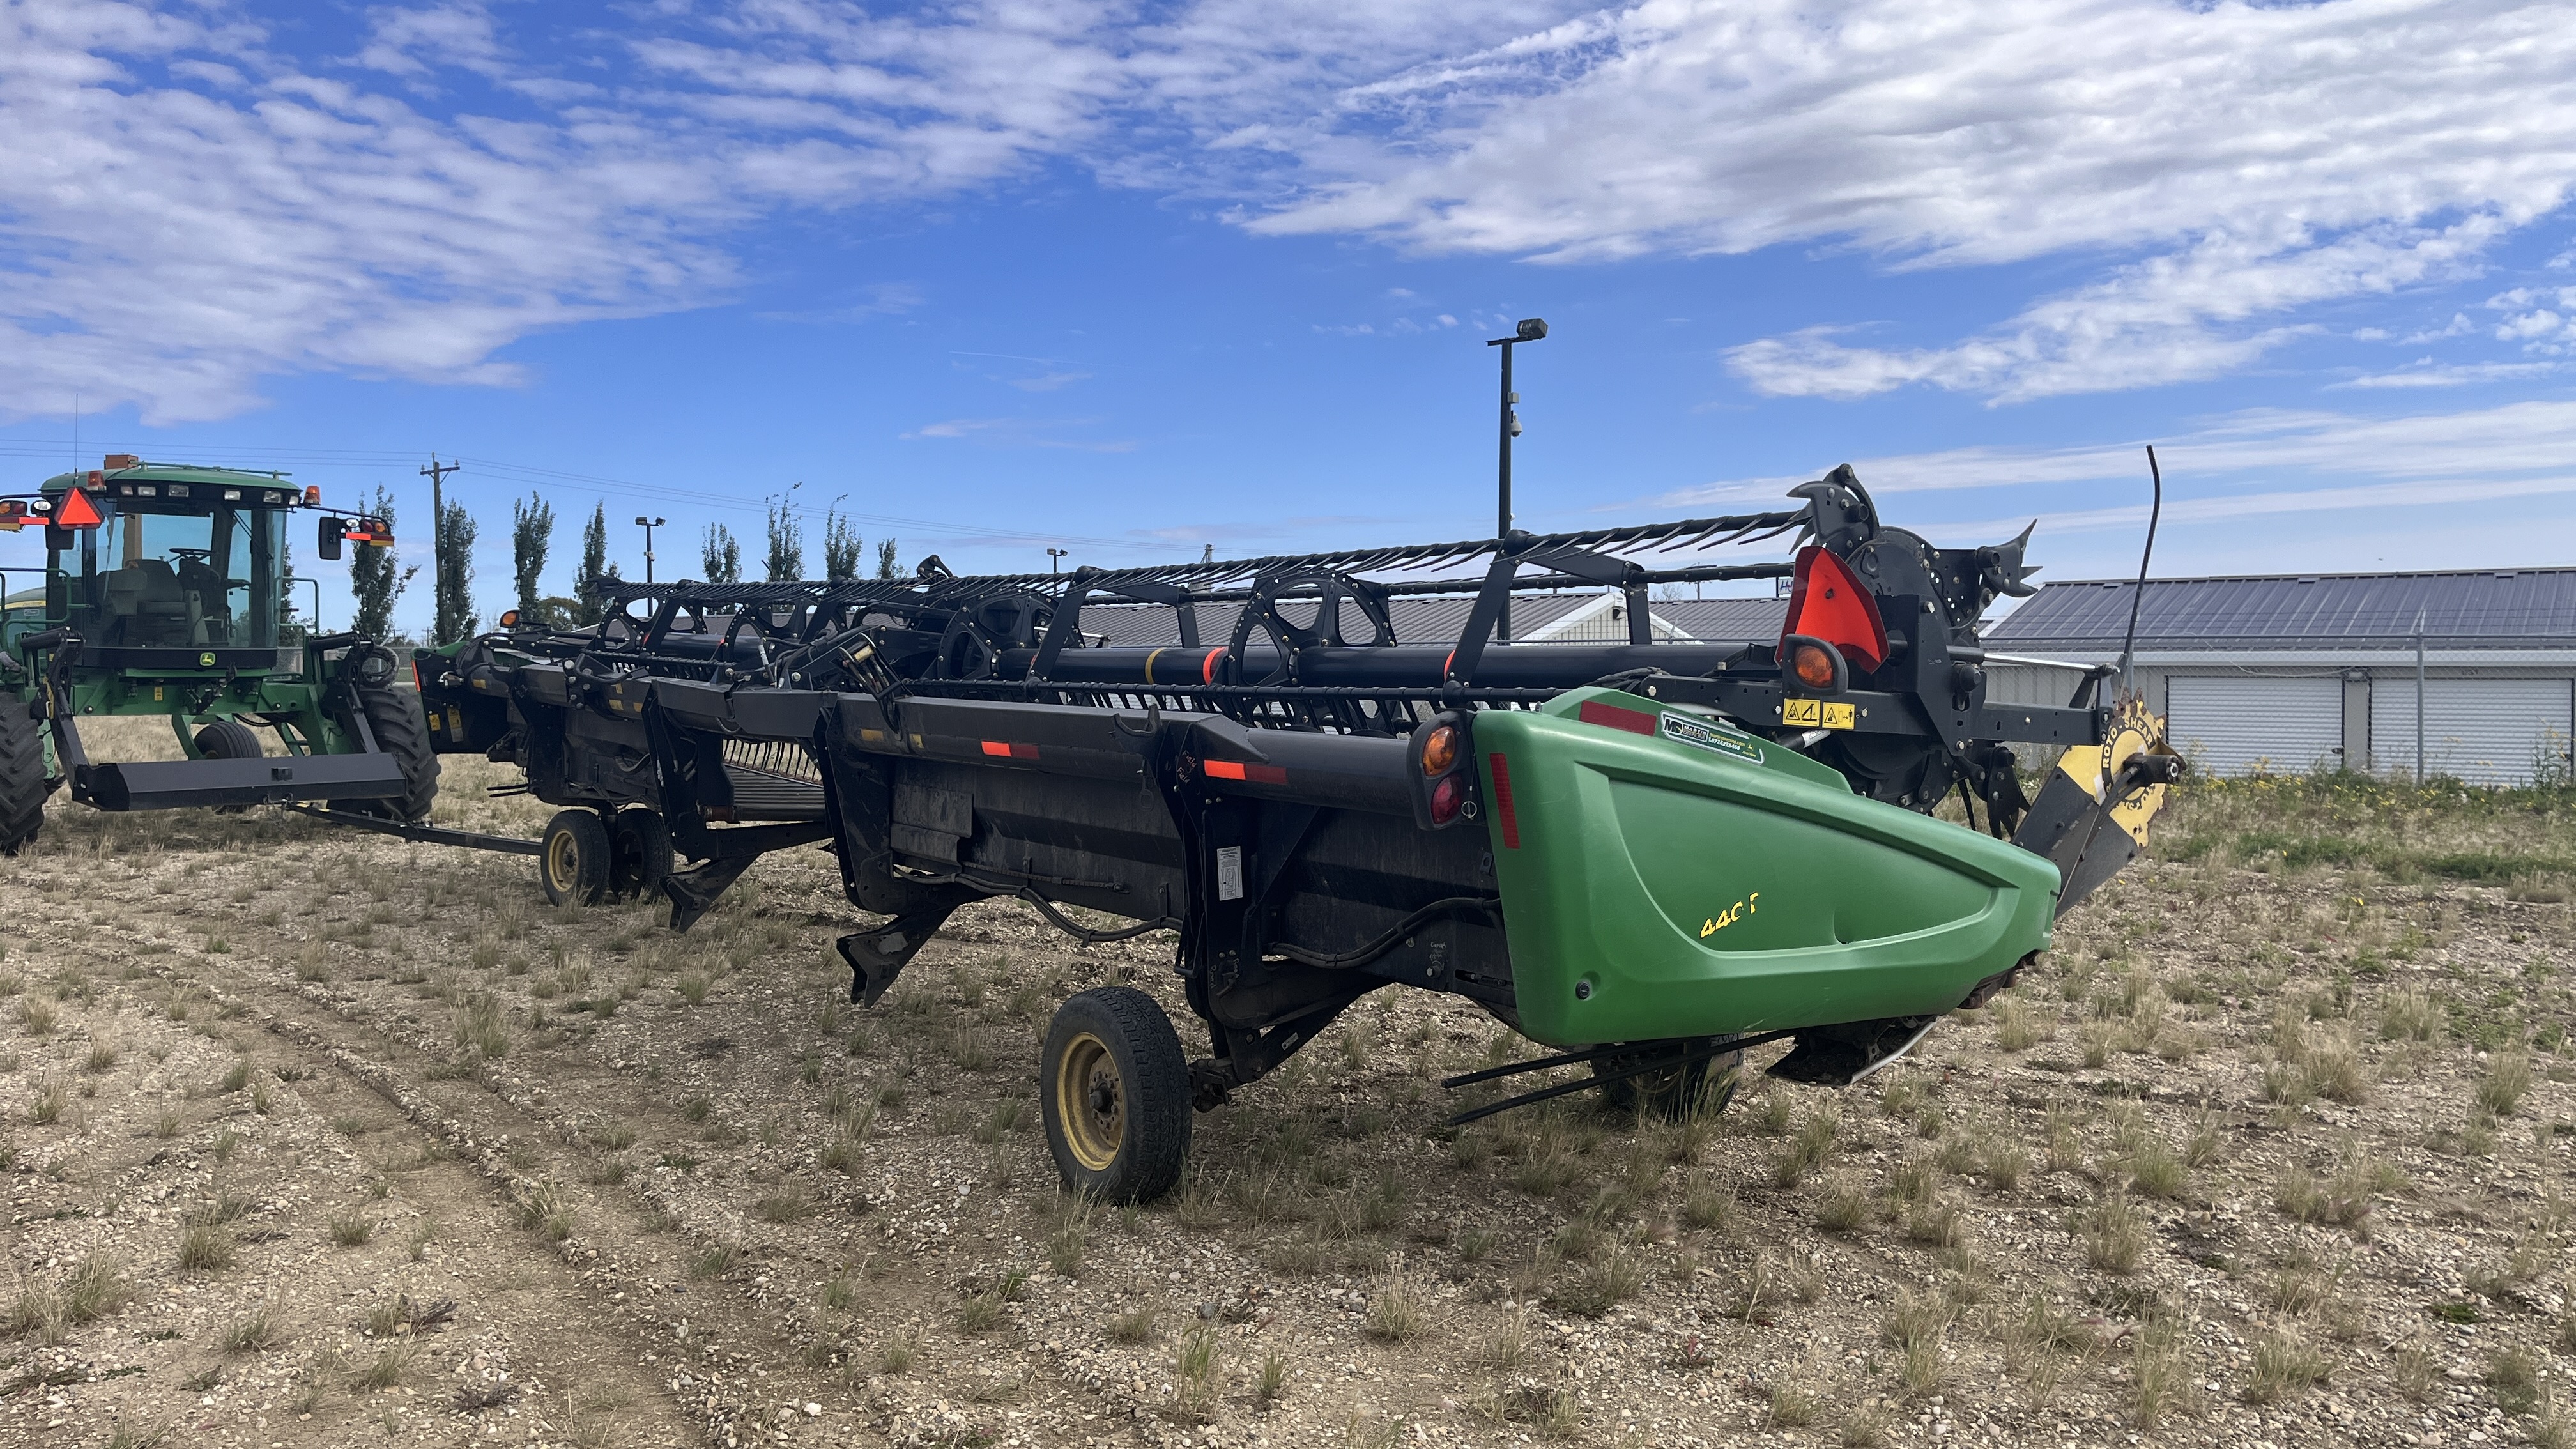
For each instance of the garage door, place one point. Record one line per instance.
(2484, 731)
(2229, 725)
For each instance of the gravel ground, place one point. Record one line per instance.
(317, 1138)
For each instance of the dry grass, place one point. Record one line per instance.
(205, 1248)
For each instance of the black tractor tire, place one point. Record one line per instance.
(22, 776)
(1115, 1092)
(575, 864)
(1673, 1093)
(639, 853)
(394, 718)
(227, 739)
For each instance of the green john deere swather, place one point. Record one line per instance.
(164, 593)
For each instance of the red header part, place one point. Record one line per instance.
(1826, 602)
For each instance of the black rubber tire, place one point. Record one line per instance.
(22, 775)
(576, 860)
(639, 853)
(1113, 1066)
(394, 718)
(1676, 1092)
(227, 739)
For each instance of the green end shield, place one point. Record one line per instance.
(1665, 875)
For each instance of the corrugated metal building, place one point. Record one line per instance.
(2300, 672)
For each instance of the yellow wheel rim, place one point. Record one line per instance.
(563, 862)
(1091, 1102)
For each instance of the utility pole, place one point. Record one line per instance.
(437, 473)
(1055, 559)
(1528, 329)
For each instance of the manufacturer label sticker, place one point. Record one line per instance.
(1229, 872)
(1712, 737)
(1817, 714)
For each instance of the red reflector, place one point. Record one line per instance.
(1826, 602)
(1207, 667)
(1634, 721)
(1245, 770)
(1511, 820)
(1009, 751)
(1448, 796)
(76, 511)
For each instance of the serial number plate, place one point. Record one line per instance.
(1817, 714)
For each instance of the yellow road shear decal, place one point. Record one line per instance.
(1817, 714)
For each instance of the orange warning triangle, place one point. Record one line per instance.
(76, 511)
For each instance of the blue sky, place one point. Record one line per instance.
(1135, 279)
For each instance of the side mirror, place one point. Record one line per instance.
(328, 542)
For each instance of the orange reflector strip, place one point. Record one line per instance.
(1245, 770)
(1008, 751)
(1634, 721)
(1511, 820)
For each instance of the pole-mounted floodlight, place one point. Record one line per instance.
(1055, 559)
(1529, 329)
(649, 524)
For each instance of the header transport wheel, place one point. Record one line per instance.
(1672, 1092)
(1115, 1091)
(22, 776)
(639, 853)
(574, 866)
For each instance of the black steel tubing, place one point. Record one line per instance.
(1392, 666)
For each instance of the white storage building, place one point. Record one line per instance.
(2302, 672)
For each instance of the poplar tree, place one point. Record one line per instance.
(595, 568)
(374, 581)
(532, 534)
(842, 548)
(721, 556)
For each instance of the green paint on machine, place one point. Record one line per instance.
(1663, 885)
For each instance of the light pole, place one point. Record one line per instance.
(1528, 329)
(1055, 559)
(649, 524)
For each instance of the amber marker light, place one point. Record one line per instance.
(1440, 751)
(1814, 667)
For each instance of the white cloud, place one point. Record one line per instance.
(170, 243)
(1020, 433)
(185, 208)
(2252, 464)
(2427, 373)
(881, 299)
(1047, 382)
(2232, 163)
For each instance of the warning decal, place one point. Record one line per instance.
(1817, 714)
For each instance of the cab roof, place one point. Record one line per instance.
(142, 472)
